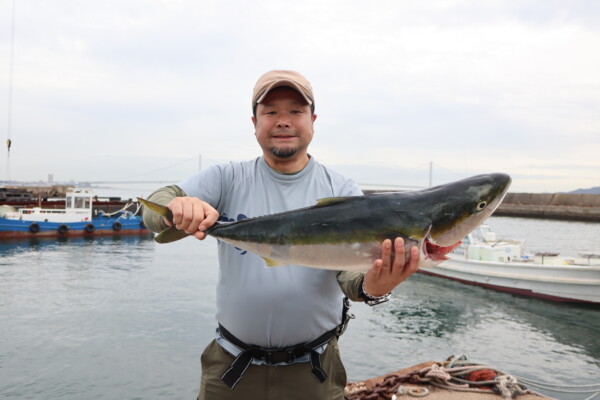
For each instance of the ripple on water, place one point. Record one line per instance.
(127, 318)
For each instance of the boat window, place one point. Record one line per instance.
(79, 202)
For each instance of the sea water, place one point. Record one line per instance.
(126, 318)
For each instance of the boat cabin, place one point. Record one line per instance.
(78, 208)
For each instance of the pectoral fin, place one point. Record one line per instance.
(272, 263)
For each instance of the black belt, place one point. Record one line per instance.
(274, 356)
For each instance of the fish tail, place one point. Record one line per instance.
(157, 208)
(170, 235)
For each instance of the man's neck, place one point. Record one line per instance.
(288, 166)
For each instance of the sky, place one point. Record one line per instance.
(406, 92)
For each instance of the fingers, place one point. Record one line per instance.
(382, 264)
(386, 255)
(392, 268)
(210, 217)
(192, 215)
(399, 257)
(413, 263)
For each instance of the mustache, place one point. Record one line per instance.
(284, 132)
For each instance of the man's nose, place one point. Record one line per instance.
(283, 121)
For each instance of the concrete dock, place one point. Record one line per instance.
(560, 206)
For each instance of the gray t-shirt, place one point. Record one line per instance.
(271, 307)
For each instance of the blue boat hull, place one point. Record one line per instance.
(100, 226)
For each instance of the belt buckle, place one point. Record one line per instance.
(277, 356)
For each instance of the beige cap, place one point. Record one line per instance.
(278, 78)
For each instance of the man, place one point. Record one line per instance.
(277, 327)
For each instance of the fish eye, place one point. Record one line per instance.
(481, 205)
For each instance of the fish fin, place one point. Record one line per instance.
(330, 201)
(170, 235)
(157, 208)
(272, 263)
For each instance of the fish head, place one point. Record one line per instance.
(460, 207)
(463, 205)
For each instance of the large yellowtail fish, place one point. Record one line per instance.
(345, 233)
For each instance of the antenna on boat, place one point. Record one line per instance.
(10, 86)
(8, 143)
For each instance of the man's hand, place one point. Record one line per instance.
(386, 274)
(192, 215)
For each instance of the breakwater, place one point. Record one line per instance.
(559, 206)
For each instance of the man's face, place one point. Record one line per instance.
(284, 124)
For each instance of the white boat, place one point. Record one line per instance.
(77, 218)
(506, 266)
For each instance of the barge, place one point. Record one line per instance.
(80, 216)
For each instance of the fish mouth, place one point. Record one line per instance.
(434, 253)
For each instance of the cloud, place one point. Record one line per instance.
(470, 86)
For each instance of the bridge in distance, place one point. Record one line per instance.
(368, 187)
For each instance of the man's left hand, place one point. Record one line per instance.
(386, 273)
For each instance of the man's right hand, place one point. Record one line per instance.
(192, 215)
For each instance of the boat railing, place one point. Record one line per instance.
(26, 211)
(590, 256)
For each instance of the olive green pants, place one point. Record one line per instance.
(265, 382)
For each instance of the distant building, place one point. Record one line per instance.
(50, 179)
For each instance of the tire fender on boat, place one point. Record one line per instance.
(117, 226)
(62, 229)
(34, 227)
(89, 227)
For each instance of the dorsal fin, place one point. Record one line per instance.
(330, 201)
